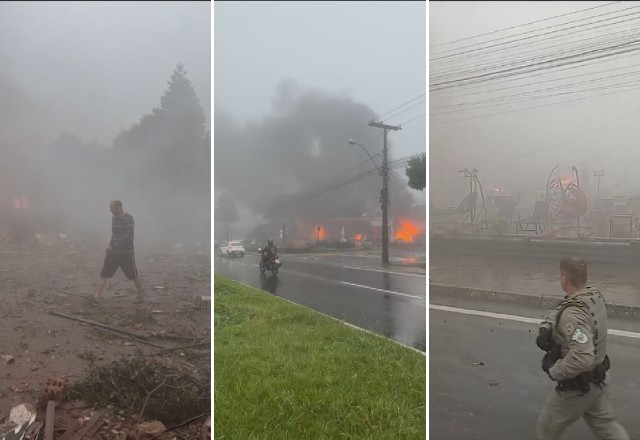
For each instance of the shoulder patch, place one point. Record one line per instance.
(569, 329)
(579, 336)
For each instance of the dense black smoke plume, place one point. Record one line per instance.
(298, 150)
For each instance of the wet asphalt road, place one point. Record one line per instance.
(463, 405)
(388, 302)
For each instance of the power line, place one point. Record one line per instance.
(361, 128)
(411, 120)
(313, 193)
(548, 89)
(318, 187)
(523, 25)
(530, 108)
(400, 106)
(397, 114)
(533, 74)
(489, 60)
(345, 173)
(497, 54)
(484, 92)
(558, 58)
(537, 67)
(539, 35)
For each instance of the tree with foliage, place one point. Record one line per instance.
(168, 140)
(160, 161)
(416, 171)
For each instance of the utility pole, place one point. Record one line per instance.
(599, 175)
(384, 194)
(282, 235)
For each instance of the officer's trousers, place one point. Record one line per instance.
(562, 408)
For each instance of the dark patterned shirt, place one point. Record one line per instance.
(122, 233)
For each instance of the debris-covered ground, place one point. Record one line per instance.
(114, 360)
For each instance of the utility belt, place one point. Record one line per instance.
(582, 381)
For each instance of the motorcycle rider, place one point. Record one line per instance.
(269, 251)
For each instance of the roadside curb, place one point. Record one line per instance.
(261, 291)
(419, 265)
(617, 310)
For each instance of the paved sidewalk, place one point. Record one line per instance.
(619, 284)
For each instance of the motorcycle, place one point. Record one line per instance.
(272, 264)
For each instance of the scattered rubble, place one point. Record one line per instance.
(166, 342)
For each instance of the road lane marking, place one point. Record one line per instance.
(382, 290)
(614, 332)
(386, 271)
(424, 353)
(485, 314)
(329, 280)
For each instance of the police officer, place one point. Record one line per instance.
(575, 339)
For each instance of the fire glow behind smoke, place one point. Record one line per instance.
(406, 232)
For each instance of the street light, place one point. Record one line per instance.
(384, 199)
(352, 142)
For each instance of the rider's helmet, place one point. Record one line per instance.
(270, 242)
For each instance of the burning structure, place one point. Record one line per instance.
(20, 200)
(302, 233)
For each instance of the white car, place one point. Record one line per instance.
(231, 249)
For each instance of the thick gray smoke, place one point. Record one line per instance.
(158, 166)
(272, 167)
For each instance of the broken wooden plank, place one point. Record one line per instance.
(70, 432)
(141, 335)
(162, 335)
(33, 432)
(131, 338)
(64, 421)
(89, 429)
(182, 347)
(49, 420)
(76, 404)
(66, 292)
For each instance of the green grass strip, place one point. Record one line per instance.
(283, 371)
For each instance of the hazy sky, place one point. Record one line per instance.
(372, 52)
(517, 148)
(99, 66)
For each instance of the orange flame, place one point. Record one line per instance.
(319, 232)
(407, 231)
(566, 181)
(358, 237)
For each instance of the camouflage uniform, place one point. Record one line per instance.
(579, 328)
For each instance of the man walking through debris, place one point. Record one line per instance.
(575, 339)
(120, 251)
